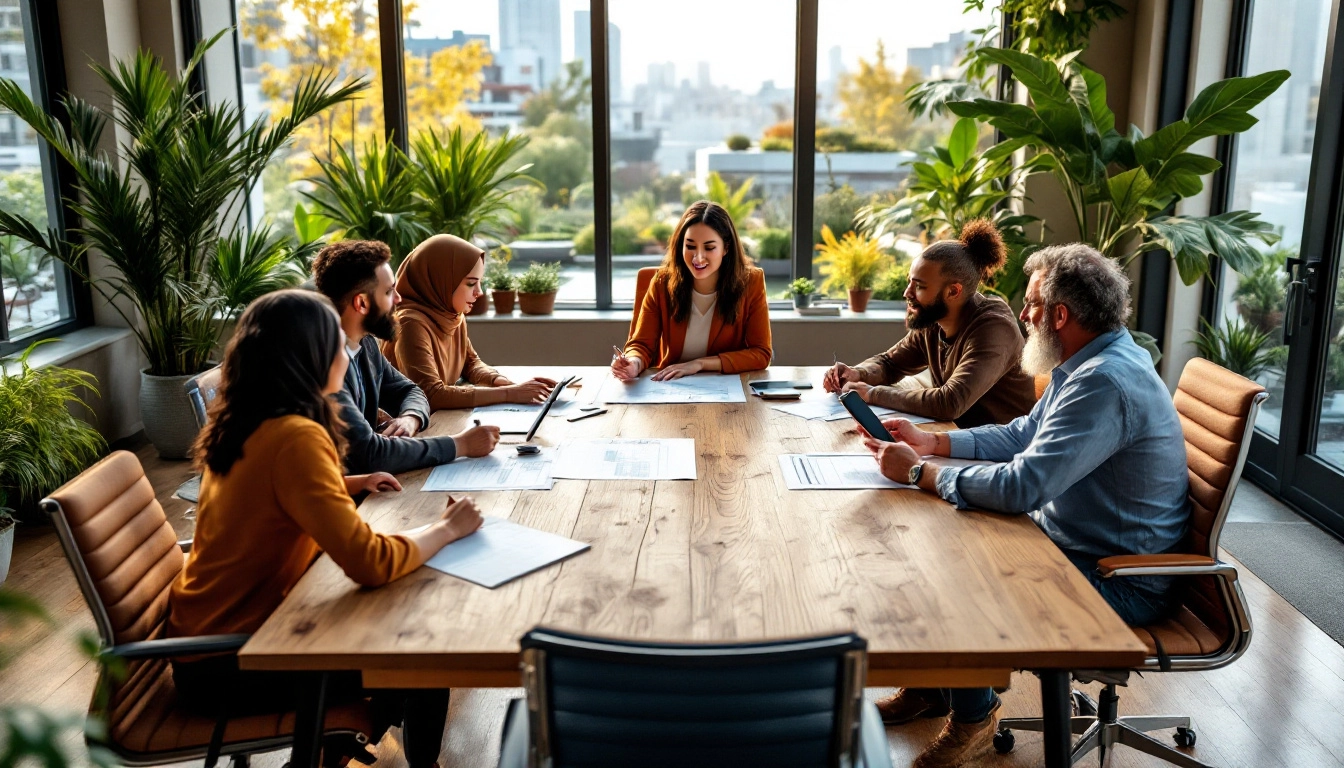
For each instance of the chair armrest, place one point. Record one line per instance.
(516, 741)
(1164, 565)
(185, 545)
(179, 646)
(874, 750)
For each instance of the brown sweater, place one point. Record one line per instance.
(436, 357)
(259, 528)
(977, 378)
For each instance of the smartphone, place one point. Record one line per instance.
(761, 385)
(527, 449)
(780, 394)
(865, 416)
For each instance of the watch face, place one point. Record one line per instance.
(915, 472)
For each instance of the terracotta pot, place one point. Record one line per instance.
(480, 307)
(536, 303)
(858, 300)
(503, 301)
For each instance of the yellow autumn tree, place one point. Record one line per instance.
(873, 103)
(341, 36)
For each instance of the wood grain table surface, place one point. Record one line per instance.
(943, 597)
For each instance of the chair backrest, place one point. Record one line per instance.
(607, 703)
(1041, 382)
(1217, 409)
(642, 280)
(120, 545)
(201, 391)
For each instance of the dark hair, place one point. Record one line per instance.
(1093, 287)
(276, 364)
(348, 267)
(732, 271)
(971, 258)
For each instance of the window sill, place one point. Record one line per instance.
(69, 346)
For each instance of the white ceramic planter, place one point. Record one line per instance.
(169, 421)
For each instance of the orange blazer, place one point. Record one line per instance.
(742, 346)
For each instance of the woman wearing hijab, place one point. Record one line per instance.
(438, 283)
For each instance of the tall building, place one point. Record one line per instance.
(702, 80)
(583, 44)
(837, 63)
(937, 59)
(531, 25)
(428, 46)
(662, 77)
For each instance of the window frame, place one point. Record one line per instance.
(47, 64)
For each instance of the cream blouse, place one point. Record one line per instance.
(697, 328)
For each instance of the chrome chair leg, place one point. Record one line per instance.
(1148, 745)
(1146, 723)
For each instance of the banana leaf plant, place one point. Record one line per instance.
(1119, 186)
(167, 213)
(950, 186)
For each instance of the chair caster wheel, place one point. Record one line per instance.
(1003, 741)
(1185, 737)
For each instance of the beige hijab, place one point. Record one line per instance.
(431, 274)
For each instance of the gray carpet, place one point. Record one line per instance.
(1295, 558)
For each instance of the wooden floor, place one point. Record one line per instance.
(1280, 705)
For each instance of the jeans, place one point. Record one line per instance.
(1135, 605)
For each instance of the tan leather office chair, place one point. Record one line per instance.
(642, 280)
(1041, 382)
(1212, 626)
(125, 557)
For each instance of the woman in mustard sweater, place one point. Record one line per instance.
(273, 499)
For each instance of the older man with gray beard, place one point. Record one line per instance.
(1099, 464)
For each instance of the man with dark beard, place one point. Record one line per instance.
(357, 276)
(968, 341)
(1099, 464)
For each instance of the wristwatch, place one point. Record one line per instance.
(916, 472)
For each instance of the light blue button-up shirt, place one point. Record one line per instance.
(1099, 463)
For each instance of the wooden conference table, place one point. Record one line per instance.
(944, 598)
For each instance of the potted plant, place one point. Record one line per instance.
(1239, 347)
(1260, 295)
(537, 288)
(7, 523)
(42, 443)
(802, 290)
(460, 184)
(169, 217)
(851, 263)
(503, 285)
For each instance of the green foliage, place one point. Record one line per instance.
(736, 202)
(891, 286)
(845, 140)
(836, 209)
(1237, 346)
(371, 197)
(571, 95)
(851, 263)
(158, 212)
(585, 242)
(23, 193)
(42, 443)
(737, 142)
(22, 266)
(461, 185)
(560, 163)
(497, 274)
(525, 211)
(1119, 185)
(1262, 293)
(310, 228)
(660, 232)
(802, 287)
(776, 144)
(773, 244)
(540, 278)
(624, 240)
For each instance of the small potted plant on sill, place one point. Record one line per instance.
(802, 290)
(853, 262)
(501, 282)
(537, 288)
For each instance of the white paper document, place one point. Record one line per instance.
(502, 470)
(827, 407)
(833, 471)
(700, 388)
(517, 418)
(501, 551)
(626, 459)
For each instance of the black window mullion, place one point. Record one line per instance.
(804, 135)
(600, 55)
(395, 121)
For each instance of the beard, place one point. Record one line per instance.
(1043, 352)
(382, 325)
(920, 316)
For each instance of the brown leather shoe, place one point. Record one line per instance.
(907, 704)
(961, 744)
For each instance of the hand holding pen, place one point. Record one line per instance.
(625, 367)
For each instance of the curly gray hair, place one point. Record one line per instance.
(1092, 286)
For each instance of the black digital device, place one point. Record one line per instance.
(546, 407)
(865, 416)
(762, 385)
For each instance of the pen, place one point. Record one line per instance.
(617, 351)
(477, 422)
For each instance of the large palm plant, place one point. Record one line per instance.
(370, 196)
(168, 219)
(461, 185)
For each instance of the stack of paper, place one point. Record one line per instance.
(701, 388)
(502, 470)
(833, 471)
(501, 551)
(622, 459)
(827, 407)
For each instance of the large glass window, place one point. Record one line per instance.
(34, 290)
(866, 137)
(1271, 170)
(693, 108)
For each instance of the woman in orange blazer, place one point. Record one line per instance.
(705, 309)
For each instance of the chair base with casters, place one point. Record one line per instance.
(1100, 729)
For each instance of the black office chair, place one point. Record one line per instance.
(201, 390)
(604, 703)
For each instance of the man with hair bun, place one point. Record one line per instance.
(1099, 464)
(968, 341)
